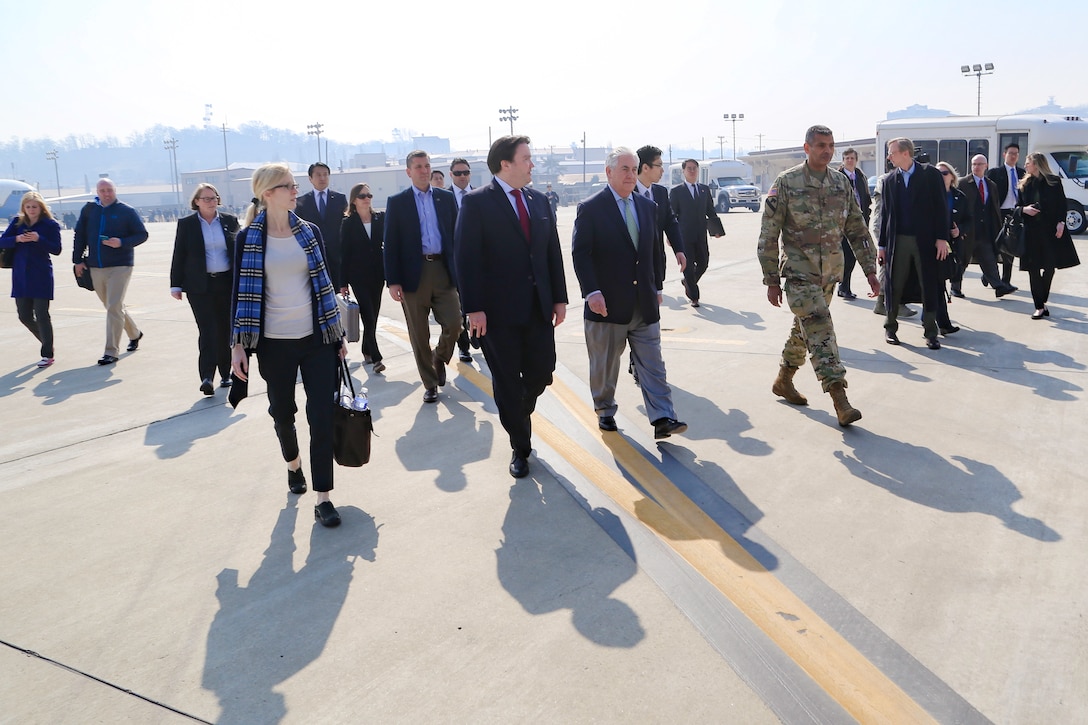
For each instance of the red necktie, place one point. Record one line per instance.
(523, 213)
(982, 190)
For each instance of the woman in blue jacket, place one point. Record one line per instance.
(34, 235)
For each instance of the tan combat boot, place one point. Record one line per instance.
(783, 386)
(847, 414)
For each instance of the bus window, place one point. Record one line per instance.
(978, 146)
(1020, 139)
(954, 152)
(1073, 163)
(926, 151)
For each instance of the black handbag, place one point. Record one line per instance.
(84, 280)
(7, 258)
(1010, 240)
(351, 428)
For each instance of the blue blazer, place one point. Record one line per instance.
(499, 271)
(404, 237)
(32, 270)
(606, 259)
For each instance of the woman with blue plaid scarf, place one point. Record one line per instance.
(285, 312)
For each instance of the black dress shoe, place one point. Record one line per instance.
(133, 345)
(933, 343)
(224, 382)
(1006, 290)
(325, 514)
(296, 481)
(956, 292)
(519, 466)
(665, 427)
(891, 338)
(946, 331)
(107, 360)
(206, 386)
(465, 356)
(439, 369)
(430, 395)
(695, 303)
(607, 422)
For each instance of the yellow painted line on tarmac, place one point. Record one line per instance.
(833, 663)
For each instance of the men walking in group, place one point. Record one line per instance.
(812, 209)
(1006, 178)
(513, 288)
(694, 208)
(460, 173)
(984, 216)
(419, 269)
(325, 208)
(106, 234)
(619, 273)
(914, 232)
(860, 186)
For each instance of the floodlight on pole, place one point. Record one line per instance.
(978, 70)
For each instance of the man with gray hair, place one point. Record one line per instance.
(106, 234)
(620, 275)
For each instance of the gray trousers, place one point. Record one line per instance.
(606, 342)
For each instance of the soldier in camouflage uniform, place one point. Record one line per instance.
(812, 208)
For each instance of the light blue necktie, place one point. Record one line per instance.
(1012, 185)
(632, 227)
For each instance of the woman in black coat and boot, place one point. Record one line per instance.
(1047, 244)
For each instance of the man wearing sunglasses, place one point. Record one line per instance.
(461, 174)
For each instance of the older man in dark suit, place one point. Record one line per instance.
(325, 208)
(983, 224)
(694, 208)
(620, 274)
(420, 269)
(914, 232)
(1006, 178)
(513, 288)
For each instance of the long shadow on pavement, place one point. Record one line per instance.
(918, 474)
(175, 436)
(546, 570)
(269, 630)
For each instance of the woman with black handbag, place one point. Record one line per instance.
(1047, 243)
(32, 236)
(285, 312)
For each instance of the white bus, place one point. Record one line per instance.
(955, 139)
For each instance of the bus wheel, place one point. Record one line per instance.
(1074, 218)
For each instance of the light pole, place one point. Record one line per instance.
(171, 145)
(52, 156)
(314, 129)
(226, 165)
(734, 117)
(508, 115)
(978, 70)
(721, 147)
(583, 161)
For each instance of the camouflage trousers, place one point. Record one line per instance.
(813, 332)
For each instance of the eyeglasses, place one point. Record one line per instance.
(945, 172)
(207, 198)
(658, 165)
(460, 173)
(292, 187)
(365, 196)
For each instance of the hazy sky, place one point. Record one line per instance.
(623, 73)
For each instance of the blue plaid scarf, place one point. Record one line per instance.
(248, 313)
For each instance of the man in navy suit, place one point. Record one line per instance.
(694, 207)
(1007, 196)
(420, 269)
(914, 232)
(621, 274)
(325, 208)
(513, 288)
(461, 175)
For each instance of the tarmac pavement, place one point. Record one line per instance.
(926, 564)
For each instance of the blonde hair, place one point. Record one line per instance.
(951, 170)
(33, 196)
(265, 178)
(199, 188)
(1042, 166)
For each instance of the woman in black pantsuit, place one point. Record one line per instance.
(201, 268)
(362, 267)
(1047, 244)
